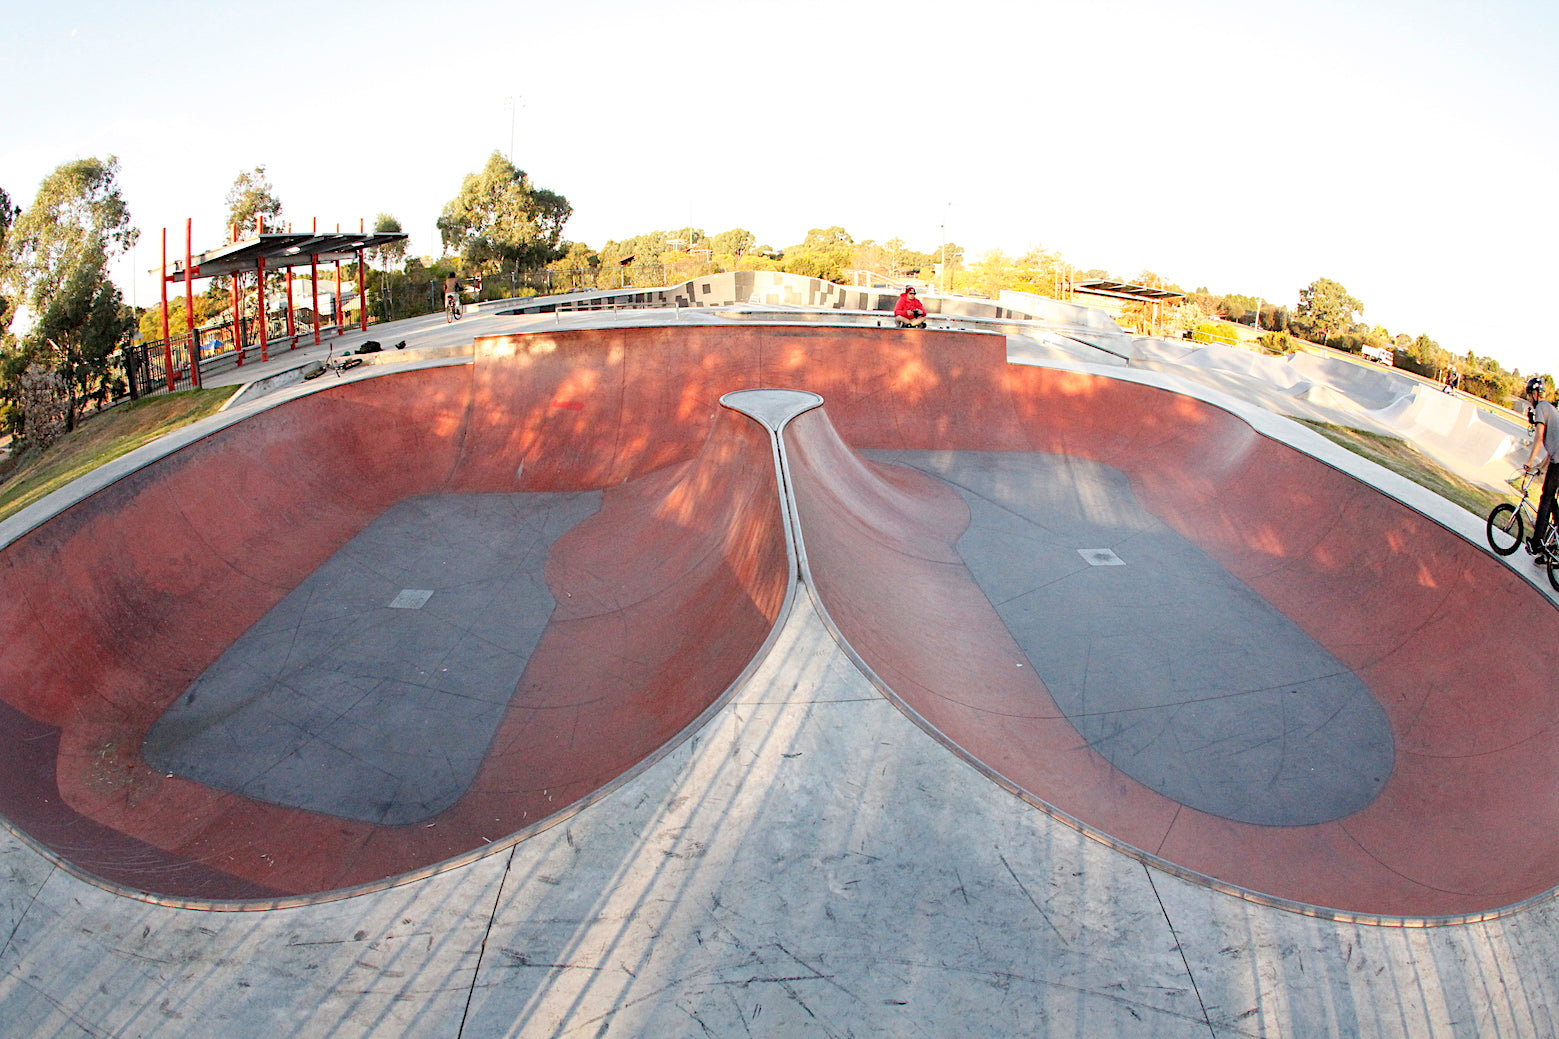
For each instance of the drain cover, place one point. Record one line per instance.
(1100, 557)
(411, 599)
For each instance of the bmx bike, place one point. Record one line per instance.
(331, 363)
(1507, 526)
(452, 308)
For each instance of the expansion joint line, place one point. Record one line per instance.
(1180, 948)
(22, 916)
(481, 954)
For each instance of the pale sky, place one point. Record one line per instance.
(1406, 150)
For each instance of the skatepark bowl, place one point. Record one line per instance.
(389, 625)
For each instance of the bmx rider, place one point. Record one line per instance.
(1545, 440)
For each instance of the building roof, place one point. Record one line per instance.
(1127, 290)
(288, 249)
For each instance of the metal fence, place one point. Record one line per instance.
(146, 364)
(550, 281)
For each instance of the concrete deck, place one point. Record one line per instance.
(812, 856)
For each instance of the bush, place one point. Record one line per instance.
(1276, 342)
(1213, 332)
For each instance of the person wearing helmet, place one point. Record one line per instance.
(909, 312)
(1545, 441)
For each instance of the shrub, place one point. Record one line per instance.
(1213, 332)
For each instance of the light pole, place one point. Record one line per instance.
(941, 270)
(946, 278)
(513, 103)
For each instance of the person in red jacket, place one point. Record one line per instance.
(909, 311)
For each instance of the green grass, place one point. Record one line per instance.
(101, 438)
(1403, 459)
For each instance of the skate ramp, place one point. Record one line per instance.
(1346, 635)
(1454, 428)
(1368, 386)
(1445, 808)
(344, 744)
(1273, 371)
(1451, 429)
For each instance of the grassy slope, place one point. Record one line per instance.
(102, 438)
(1402, 458)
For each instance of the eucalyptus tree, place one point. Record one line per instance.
(1326, 306)
(54, 262)
(394, 252)
(252, 199)
(500, 221)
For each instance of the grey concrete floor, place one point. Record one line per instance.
(811, 863)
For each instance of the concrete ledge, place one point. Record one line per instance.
(251, 391)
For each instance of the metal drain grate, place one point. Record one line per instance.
(1100, 557)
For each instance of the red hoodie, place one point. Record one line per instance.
(906, 304)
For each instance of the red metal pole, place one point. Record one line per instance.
(164, 283)
(340, 314)
(167, 343)
(292, 328)
(314, 283)
(259, 288)
(238, 334)
(189, 301)
(362, 293)
(260, 291)
(362, 283)
(314, 288)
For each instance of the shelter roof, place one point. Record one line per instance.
(288, 249)
(1127, 290)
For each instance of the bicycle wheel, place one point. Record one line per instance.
(314, 372)
(1553, 573)
(1505, 529)
(351, 362)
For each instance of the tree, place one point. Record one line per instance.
(500, 222)
(8, 214)
(734, 243)
(55, 262)
(149, 320)
(991, 274)
(1326, 306)
(251, 196)
(78, 218)
(1237, 308)
(949, 256)
(1042, 272)
(393, 252)
(576, 269)
(84, 323)
(824, 253)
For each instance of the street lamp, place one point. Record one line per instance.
(948, 282)
(941, 270)
(513, 103)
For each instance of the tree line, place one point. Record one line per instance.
(501, 227)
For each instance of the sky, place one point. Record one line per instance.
(1405, 150)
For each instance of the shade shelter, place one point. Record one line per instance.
(1114, 296)
(264, 251)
